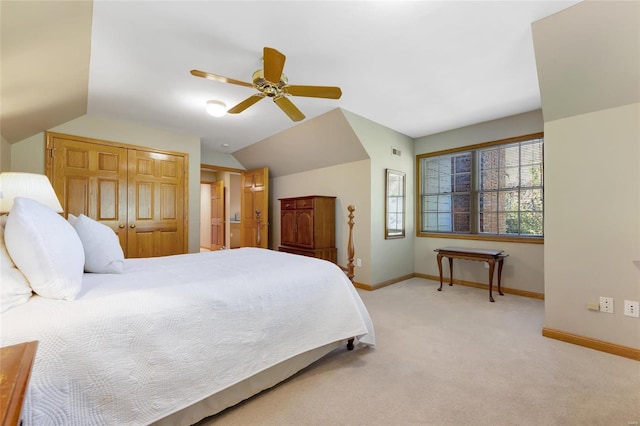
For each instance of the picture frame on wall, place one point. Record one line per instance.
(394, 204)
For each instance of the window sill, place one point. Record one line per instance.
(506, 239)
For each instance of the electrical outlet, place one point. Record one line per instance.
(606, 304)
(358, 262)
(632, 308)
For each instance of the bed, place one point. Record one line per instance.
(171, 340)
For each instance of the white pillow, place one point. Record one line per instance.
(45, 248)
(14, 287)
(102, 251)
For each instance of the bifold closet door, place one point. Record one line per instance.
(91, 179)
(139, 194)
(155, 204)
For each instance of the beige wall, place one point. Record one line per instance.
(524, 269)
(588, 60)
(234, 195)
(588, 57)
(220, 159)
(393, 258)
(323, 141)
(28, 155)
(5, 156)
(592, 222)
(361, 183)
(351, 184)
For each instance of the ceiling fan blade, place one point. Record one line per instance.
(273, 64)
(289, 108)
(220, 78)
(314, 91)
(246, 103)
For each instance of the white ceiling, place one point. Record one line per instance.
(418, 67)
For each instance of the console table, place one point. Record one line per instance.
(484, 255)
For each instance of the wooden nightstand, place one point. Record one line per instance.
(15, 370)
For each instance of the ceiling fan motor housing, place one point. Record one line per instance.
(267, 87)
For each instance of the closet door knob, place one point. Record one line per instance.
(133, 225)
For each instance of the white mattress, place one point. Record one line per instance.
(168, 332)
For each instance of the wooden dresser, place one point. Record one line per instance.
(308, 226)
(15, 371)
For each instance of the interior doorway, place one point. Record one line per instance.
(220, 226)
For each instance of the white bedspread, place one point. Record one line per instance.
(170, 331)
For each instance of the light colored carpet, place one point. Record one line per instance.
(452, 358)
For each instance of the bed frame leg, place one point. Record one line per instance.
(350, 248)
(350, 344)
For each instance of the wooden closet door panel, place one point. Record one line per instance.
(91, 179)
(156, 204)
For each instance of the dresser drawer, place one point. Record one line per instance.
(304, 203)
(287, 204)
(298, 203)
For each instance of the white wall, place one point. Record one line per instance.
(28, 155)
(592, 222)
(524, 268)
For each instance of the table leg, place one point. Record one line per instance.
(450, 271)
(500, 262)
(439, 258)
(492, 264)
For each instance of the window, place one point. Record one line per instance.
(488, 190)
(447, 200)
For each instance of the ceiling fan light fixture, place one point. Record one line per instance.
(216, 108)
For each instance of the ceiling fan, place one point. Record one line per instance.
(272, 83)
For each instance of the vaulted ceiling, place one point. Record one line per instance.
(418, 67)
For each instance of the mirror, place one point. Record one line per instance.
(394, 204)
